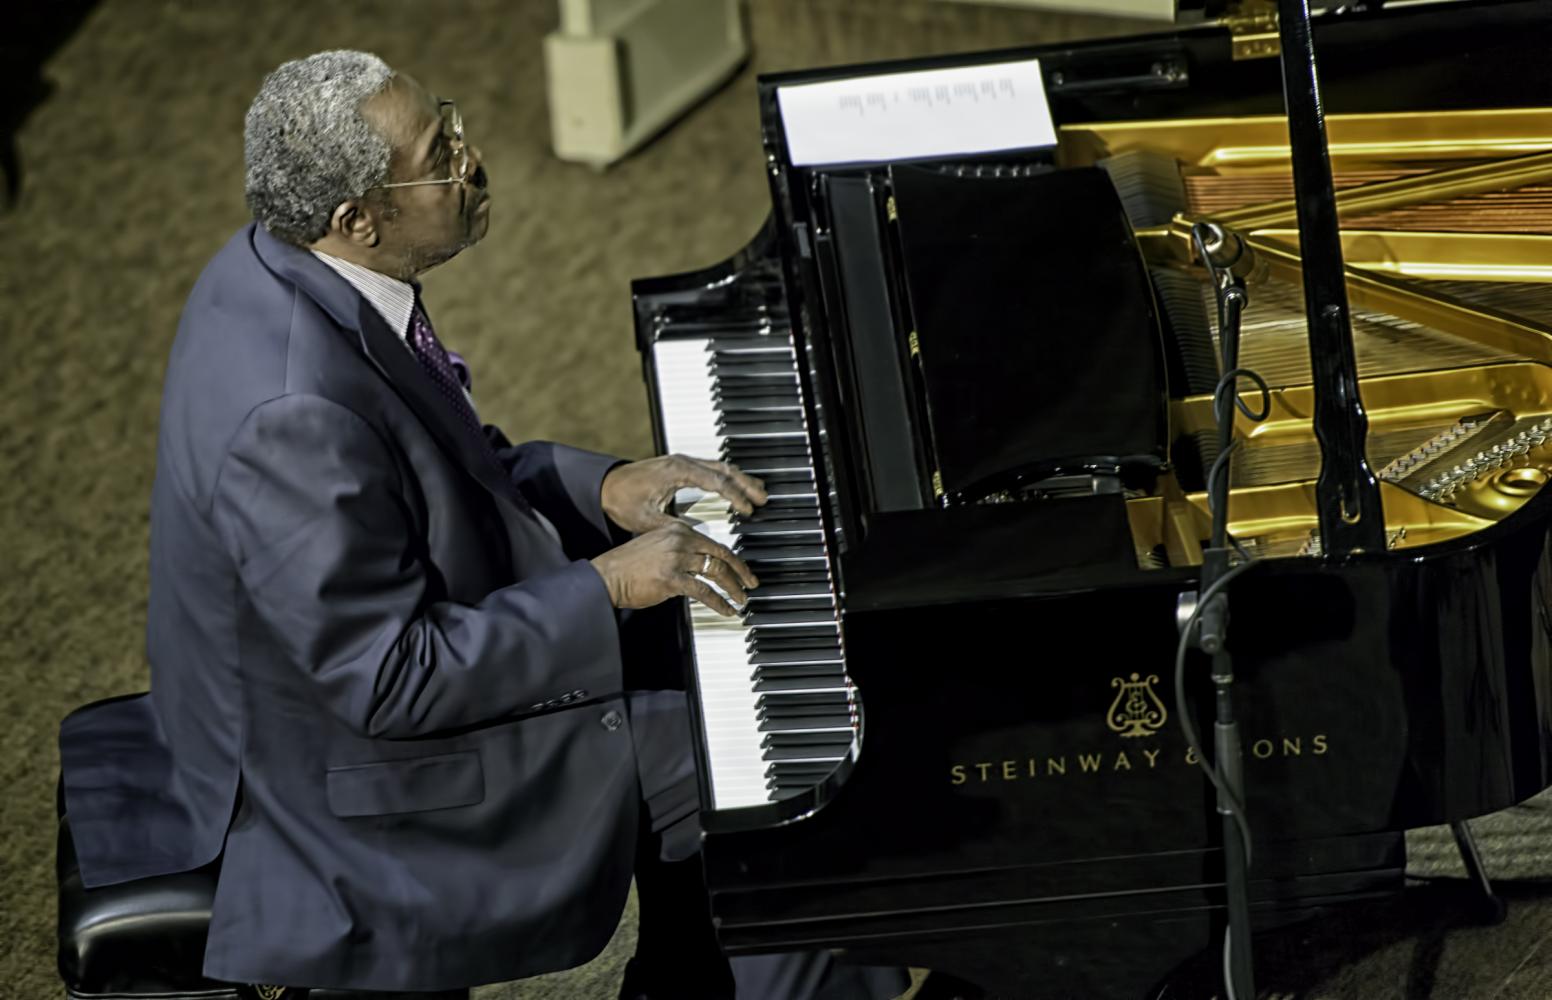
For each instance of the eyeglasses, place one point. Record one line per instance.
(457, 152)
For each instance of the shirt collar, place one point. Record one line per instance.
(393, 299)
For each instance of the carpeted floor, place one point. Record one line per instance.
(131, 178)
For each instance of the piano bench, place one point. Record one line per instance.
(146, 938)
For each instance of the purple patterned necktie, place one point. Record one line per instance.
(444, 372)
(450, 374)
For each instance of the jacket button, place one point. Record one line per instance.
(611, 720)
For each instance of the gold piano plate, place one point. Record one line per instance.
(1455, 451)
(1447, 242)
(1281, 522)
(1260, 143)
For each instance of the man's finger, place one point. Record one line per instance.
(694, 587)
(752, 485)
(718, 552)
(660, 519)
(726, 580)
(712, 478)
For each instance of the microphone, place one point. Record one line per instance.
(1228, 252)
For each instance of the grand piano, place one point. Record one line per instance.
(979, 386)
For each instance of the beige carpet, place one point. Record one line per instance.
(133, 178)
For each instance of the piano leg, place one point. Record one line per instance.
(1486, 907)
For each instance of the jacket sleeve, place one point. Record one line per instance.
(310, 504)
(566, 485)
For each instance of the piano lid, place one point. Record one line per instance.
(1197, 11)
(1409, 55)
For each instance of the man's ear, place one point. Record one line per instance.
(356, 223)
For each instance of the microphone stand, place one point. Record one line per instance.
(1212, 632)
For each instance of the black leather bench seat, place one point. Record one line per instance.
(144, 938)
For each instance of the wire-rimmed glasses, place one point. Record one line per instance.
(457, 152)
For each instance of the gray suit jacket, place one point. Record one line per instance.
(380, 692)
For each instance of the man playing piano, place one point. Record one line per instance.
(396, 685)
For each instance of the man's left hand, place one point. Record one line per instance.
(636, 495)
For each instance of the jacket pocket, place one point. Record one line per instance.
(416, 784)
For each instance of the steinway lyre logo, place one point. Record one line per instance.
(264, 992)
(1136, 711)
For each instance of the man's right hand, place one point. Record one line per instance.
(670, 562)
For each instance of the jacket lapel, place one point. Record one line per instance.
(389, 355)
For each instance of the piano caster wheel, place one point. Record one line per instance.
(1483, 907)
(1484, 911)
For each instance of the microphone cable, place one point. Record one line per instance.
(1228, 287)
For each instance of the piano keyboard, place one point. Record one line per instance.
(778, 710)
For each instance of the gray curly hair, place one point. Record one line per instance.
(306, 145)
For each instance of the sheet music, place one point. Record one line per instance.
(901, 116)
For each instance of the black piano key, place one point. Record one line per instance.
(815, 769)
(791, 460)
(787, 724)
(755, 399)
(778, 582)
(725, 394)
(839, 713)
(786, 527)
(774, 551)
(794, 652)
(811, 639)
(752, 356)
(752, 363)
(804, 753)
(826, 696)
(751, 342)
(816, 659)
(796, 775)
(759, 423)
(766, 684)
(795, 591)
(746, 399)
(791, 444)
(779, 516)
(777, 555)
(758, 602)
(792, 530)
(816, 716)
(761, 427)
(805, 488)
(818, 654)
(843, 740)
(759, 539)
(733, 417)
(796, 573)
(781, 508)
(774, 577)
(791, 677)
(797, 648)
(816, 636)
(789, 476)
(735, 386)
(750, 457)
(837, 698)
(785, 620)
(806, 747)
